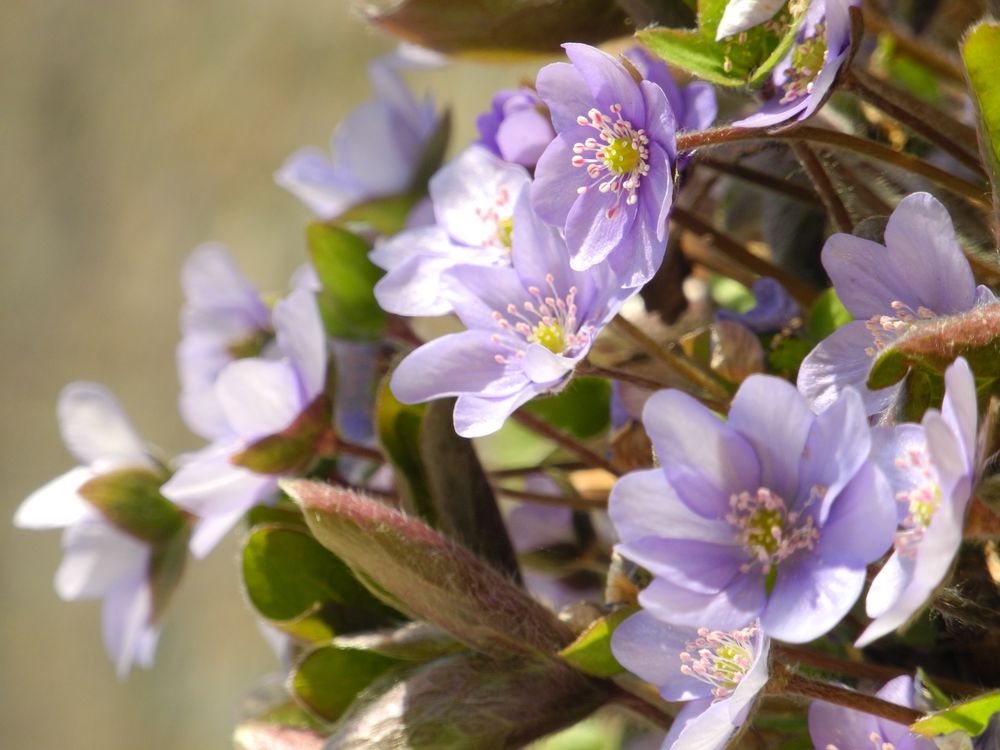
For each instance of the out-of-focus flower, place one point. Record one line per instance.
(517, 127)
(771, 515)
(741, 15)
(102, 559)
(718, 673)
(930, 466)
(258, 397)
(774, 310)
(528, 327)
(833, 727)
(804, 78)
(607, 178)
(473, 199)
(376, 149)
(920, 274)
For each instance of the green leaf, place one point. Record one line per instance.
(498, 29)
(591, 651)
(293, 448)
(300, 587)
(827, 315)
(415, 569)
(931, 693)
(583, 408)
(981, 54)
(327, 679)
(347, 300)
(971, 716)
(888, 369)
(130, 499)
(468, 702)
(386, 214)
(398, 427)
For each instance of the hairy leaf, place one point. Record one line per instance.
(327, 679)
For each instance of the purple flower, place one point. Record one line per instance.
(258, 397)
(100, 560)
(607, 178)
(833, 727)
(719, 673)
(377, 148)
(930, 466)
(223, 318)
(473, 199)
(516, 128)
(921, 273)
(528, 327)
(694, 106)
(805, 77)
(771, 515)
(774, 310)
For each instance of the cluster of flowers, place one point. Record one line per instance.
(757, 527)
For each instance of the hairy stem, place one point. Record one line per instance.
(789, 682)
(763, 179)
(586, 367)
(569, 501)
(824, 186)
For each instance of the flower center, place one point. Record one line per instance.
(887, 328)
(768, 531)
(549, 320)
(616, 160)
(251, 346)
(719, 658)
(921, 502)
(498, 221)
(807, 60)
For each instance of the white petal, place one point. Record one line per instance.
(56, 504)
(129, 636)
(95, 428)
(301, 338)
(741, 15)
(259, 397)
(97, 557)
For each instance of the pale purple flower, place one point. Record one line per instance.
(774, 310)
(773, 514)
(473, 198)
(921, 273)
(607, 178)
(528, 327)
(802, 81)
(223, 318)
(258, 397)
(718, 673)
(517, 127)
(931, 468)
(100, 560)
(833, 727)
(742, 15)
(377, 149)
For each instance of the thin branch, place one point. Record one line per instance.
(521, 471)
(786, 681)
(360, 451)
(946, 133)
(805, 293)
(763, 179)
(586, 367)
(571, 444)
(568, 501)
(824, 186)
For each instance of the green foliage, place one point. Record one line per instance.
(300, 587)
(981, 53)
(591, 651)
(293, 448)
(827, 315)
(583, 408)
(130, 499)
(327, 679)
(398, 427)
(499, 29)
(970, 717)
(745, 59)
(346, 300)
(418, 571)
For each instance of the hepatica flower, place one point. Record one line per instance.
(473, 198)
(101, 560)
(607, 178)
(376, 149)
(528, 327)
(931, 468)
(919, 275)
(773, 311)
(259, 397)
(517, 127)
(718, 673)
(802, 81)
(833, 727)
(771, 515)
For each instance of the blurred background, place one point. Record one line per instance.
(129, 133)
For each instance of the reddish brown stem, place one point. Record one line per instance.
(824, 186)
(546, 430)
(796, 684)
